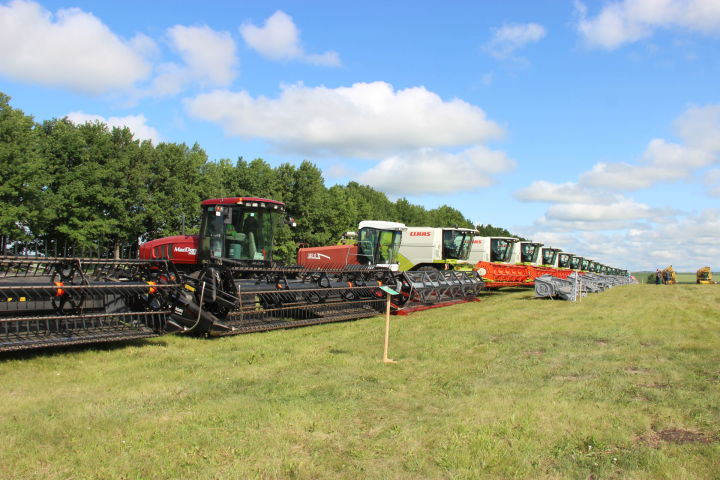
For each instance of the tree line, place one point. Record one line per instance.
(90, 185)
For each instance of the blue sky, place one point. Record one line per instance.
(590, 126)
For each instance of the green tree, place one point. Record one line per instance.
(491, 231)
(97, 188)
(218, 180)
(23, 174)
(411, 215)
(176, 184)
(309, 206)
(446, 216)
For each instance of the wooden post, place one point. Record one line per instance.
(387, 331)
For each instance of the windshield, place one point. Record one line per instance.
(500, 250)
(237, 232)
(528, 252)
(575, 263)
(585, 264)
(548, 256)
(378, 247)
(456, 244)
(564, 260)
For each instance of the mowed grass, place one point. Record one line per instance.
(624, 384)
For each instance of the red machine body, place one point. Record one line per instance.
(498, 275)
(180, 249)
(335, 256)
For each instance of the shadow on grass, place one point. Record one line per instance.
(51, 351)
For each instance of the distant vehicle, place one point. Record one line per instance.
(704, 276)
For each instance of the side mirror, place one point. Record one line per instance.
(290, 221)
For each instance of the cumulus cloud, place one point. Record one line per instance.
(699, 127)
(686, 242)
(594, 201)
(509, 38)
(434, 171)
(628, 177)
(370, 120)
(279, 39)
(619, 210)
(568, 192)
(209, 58)
(136, 123)
(643, 236)
(664, 161)
(628, 21)
(71, 49)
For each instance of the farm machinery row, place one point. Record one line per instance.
(224, 281)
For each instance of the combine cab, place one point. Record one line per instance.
(425, 248)
(493, 259)
(704, 276)
(68, 301)
(548, 265)
(232, 285)
(526, 253)
(376, 243)
(426, 284)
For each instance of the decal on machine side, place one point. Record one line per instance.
(188, 250)
(317, 256)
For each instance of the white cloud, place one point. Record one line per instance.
(628, 21)
(279, 39)
(363, 120)
(663, 161)
(642, 236)
(569, 192)
(712, 182)
(699, 127)
(71, 50)
(628, 177)
(136, 123)
(619, 210)
(209, 58)
(509, 38)
(208, 54)
(685, 242)
(434, 171)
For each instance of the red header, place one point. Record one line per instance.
(236, 200)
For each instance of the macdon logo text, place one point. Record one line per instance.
(317, 256)
(420, 234)
(188, 250)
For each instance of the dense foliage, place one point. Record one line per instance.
(88, 185)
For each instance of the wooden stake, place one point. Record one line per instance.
(387, 331)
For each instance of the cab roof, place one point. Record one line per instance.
(381, 225)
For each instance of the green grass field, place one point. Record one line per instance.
(624, 384)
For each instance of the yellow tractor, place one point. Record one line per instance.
(668, 276)
(704, 276)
